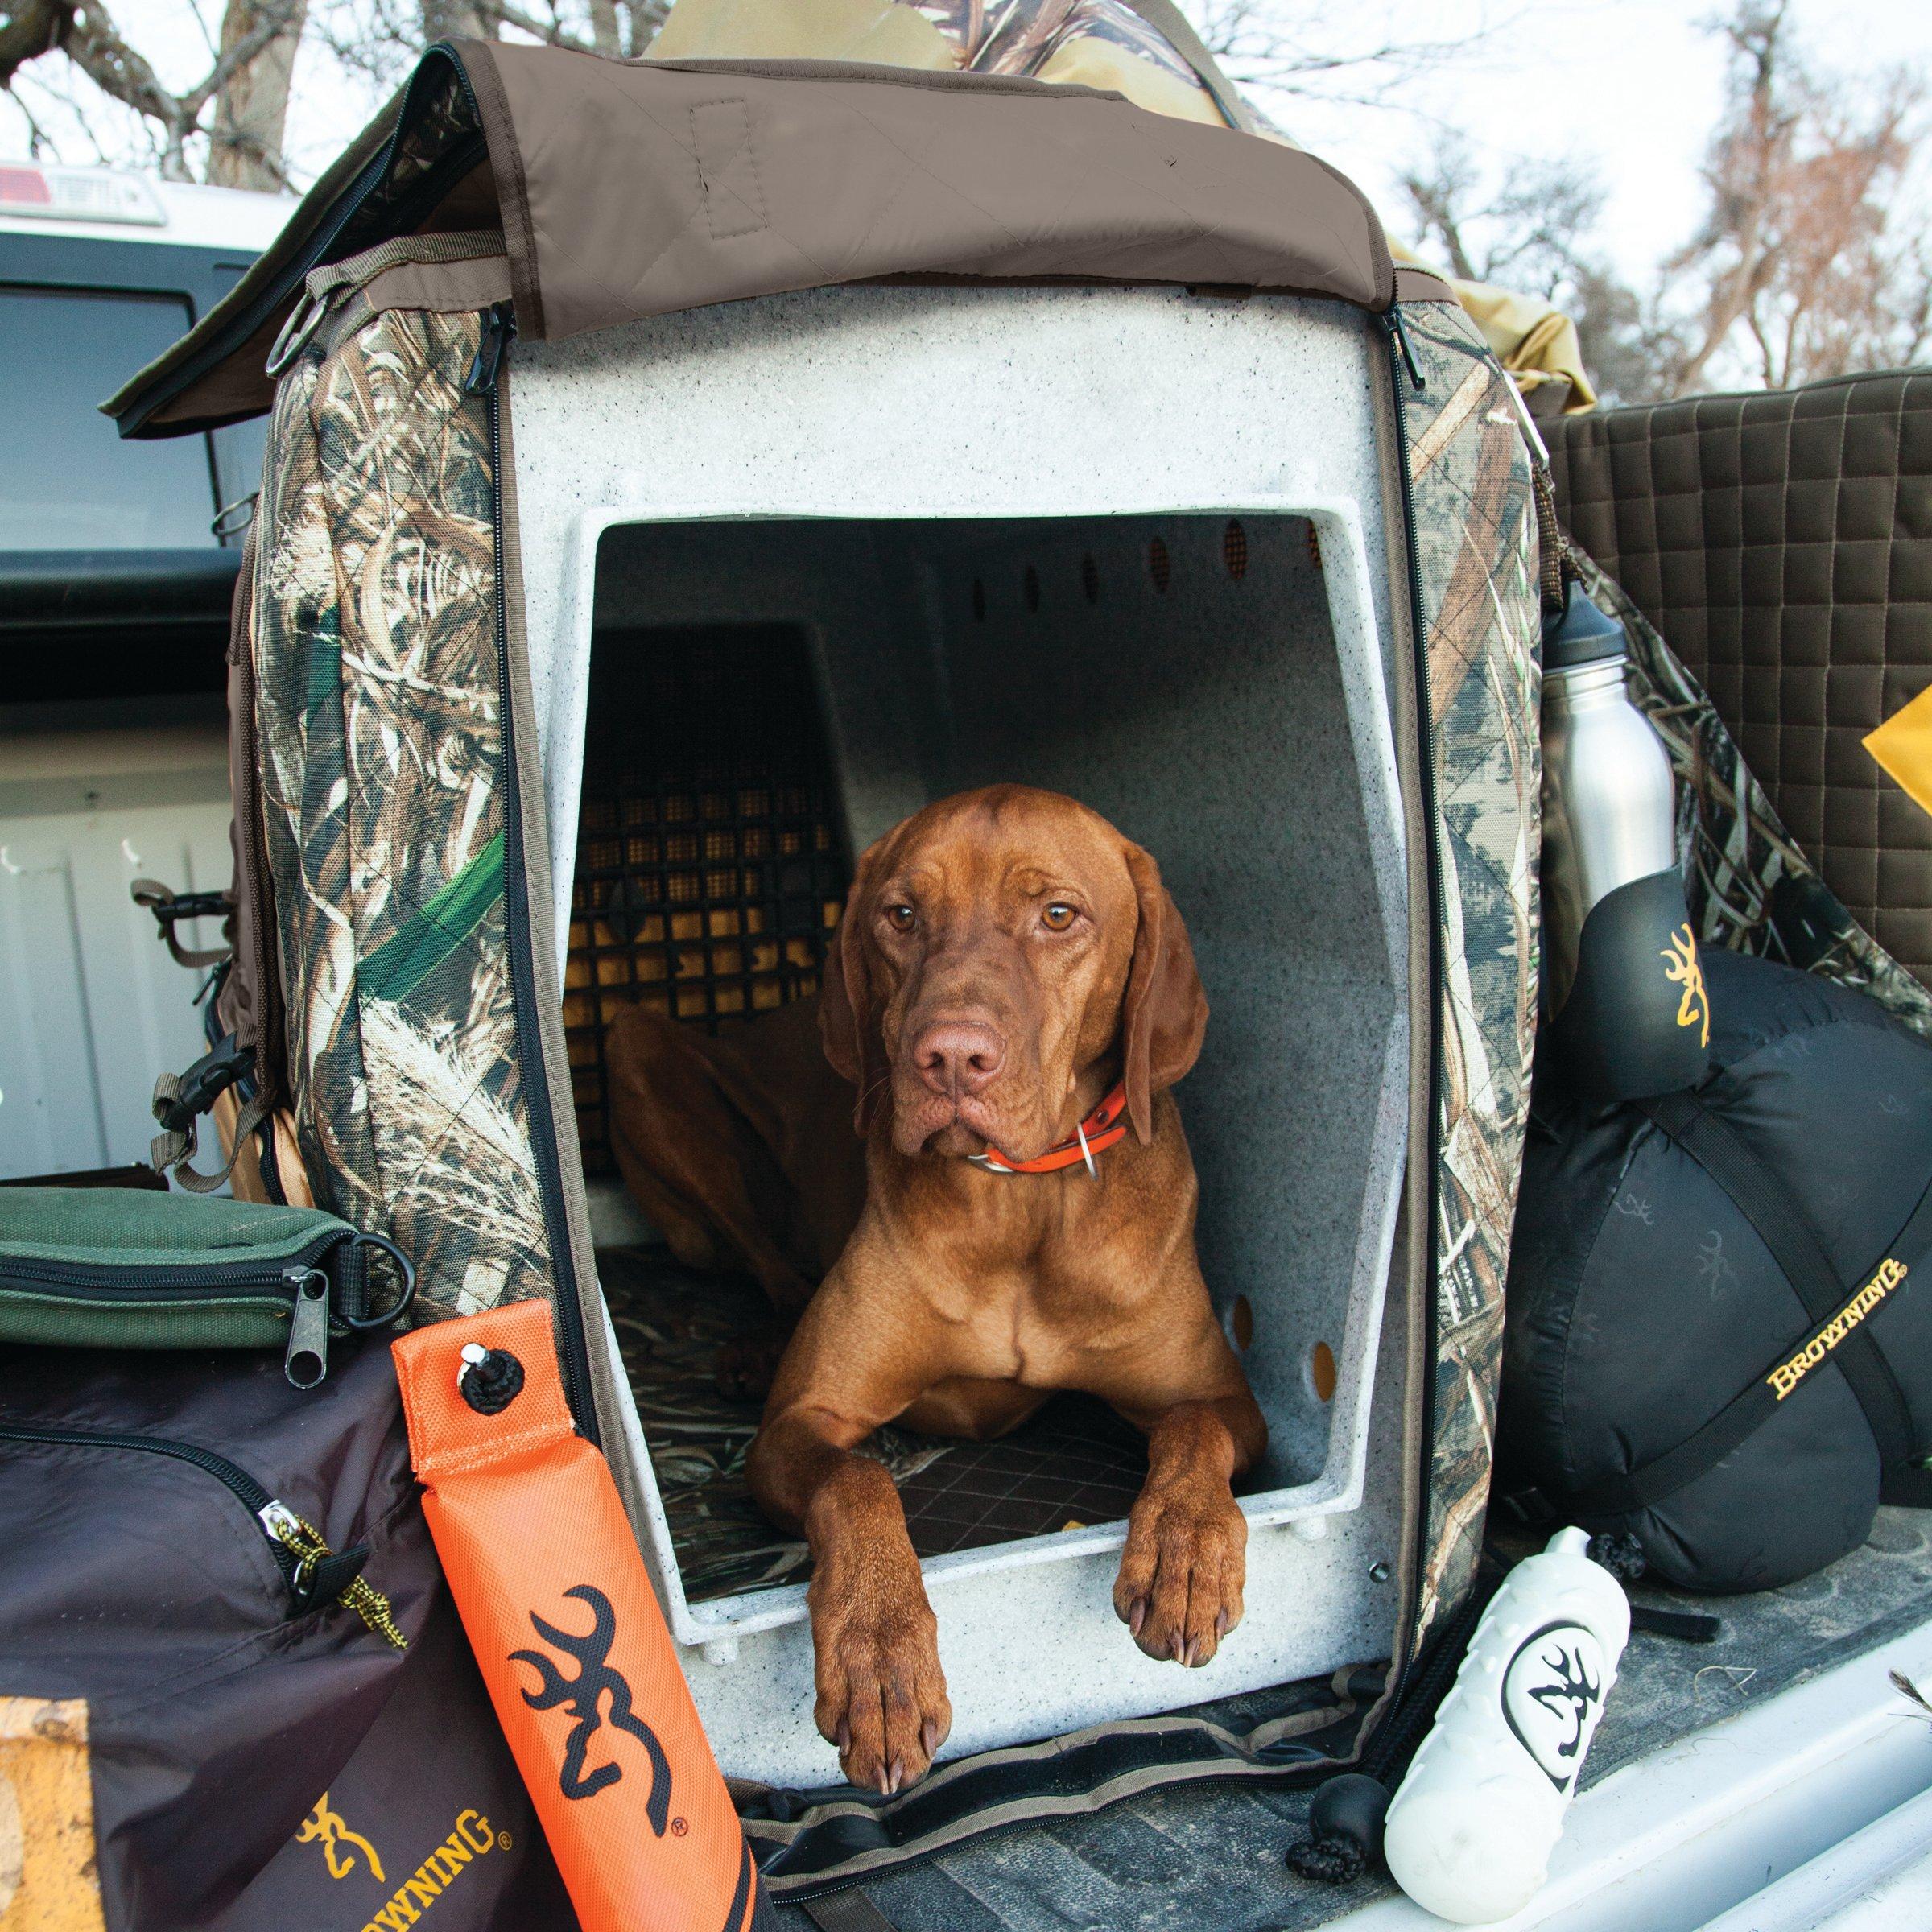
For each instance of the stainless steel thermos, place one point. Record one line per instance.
(1624, 997)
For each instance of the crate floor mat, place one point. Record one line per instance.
(1074, 1464)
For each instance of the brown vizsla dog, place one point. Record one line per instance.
(738, 1151)
(1011, 975)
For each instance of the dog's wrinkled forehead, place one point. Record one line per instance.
(1006, 846)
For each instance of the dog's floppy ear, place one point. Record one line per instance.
(846, 1025)
(1165, 1012)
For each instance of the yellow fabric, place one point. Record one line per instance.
(1903, 747)
(49, 1880)
(1091, 62)
(1534, 340)
(880, 31)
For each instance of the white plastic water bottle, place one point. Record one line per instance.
(1470, 1833)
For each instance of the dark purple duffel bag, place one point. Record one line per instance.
(206, 1721)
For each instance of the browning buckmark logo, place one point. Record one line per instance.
(584, 1694)
(1681, 967)
(325, 1827)
(1552, 1694)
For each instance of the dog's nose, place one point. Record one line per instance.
(958, 1056)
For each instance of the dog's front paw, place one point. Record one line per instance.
(1179, 1588)
(881, 1695)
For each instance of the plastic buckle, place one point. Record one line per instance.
(181, 1099)
(184, 906)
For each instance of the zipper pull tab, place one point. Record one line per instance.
(307, 1362)
(499, 331)
(318, 1574)
(295, 1551)
(1399, 329)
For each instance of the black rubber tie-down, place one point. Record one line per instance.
(1344, 1835)
(492, 1382)
(1622, 1555)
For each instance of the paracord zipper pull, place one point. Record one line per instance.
(322, 1576)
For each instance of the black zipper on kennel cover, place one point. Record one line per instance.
(497, 331)
(1403, 370)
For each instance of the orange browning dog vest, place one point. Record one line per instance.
(545, 1570)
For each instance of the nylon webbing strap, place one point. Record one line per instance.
(846, 1912)
(1555, 566)
(1837, 1316)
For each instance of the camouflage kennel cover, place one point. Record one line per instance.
(378, 673)
(402, 836)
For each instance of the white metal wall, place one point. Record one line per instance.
(92, 1007)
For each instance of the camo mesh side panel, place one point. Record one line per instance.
(1750, 887)
(382, 752)
(1476, 546)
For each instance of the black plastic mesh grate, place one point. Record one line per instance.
(710, 864)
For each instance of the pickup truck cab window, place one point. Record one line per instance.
(66, 480)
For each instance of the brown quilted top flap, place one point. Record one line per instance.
(627, 188)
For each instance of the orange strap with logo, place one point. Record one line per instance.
(545, 1572)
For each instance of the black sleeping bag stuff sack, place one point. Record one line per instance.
(1720, 1331)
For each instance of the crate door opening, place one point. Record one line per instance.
(766, 698)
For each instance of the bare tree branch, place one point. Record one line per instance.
(259, 24)
(254, 31)
(31, 28)
(249, 84)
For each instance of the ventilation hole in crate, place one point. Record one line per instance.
(1029, 586)
(1240, 1322)
(710, 868)
(1090, 580)
(979, 600)
(1234, 550)
(1321, 1372)
(1160, 568)
(1315, 547)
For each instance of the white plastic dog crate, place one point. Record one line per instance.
(1128, 543)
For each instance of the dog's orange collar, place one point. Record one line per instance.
(1101, 1130)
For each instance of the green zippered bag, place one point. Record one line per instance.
(108, 1268)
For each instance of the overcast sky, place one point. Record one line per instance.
(1631, 86)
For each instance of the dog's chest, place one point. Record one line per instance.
(1023, 1327)
(1037, 1281)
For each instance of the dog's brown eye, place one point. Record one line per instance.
(900, 918)
(1057, 917)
